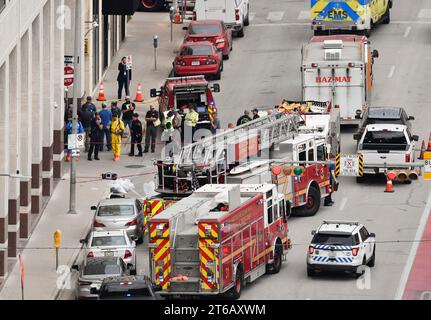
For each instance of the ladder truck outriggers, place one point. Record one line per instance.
(248, 153)
(218, 239)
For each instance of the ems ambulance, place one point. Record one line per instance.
(341, 246)
(354, 15)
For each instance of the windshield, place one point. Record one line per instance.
(102, 268)
(115, 210)
(391, 140)
(205, 29)
(197, 51)
(108, 241)
(334, 239)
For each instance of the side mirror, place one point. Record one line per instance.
(94, 291)
(83, 241)
(375, 54)
(153, 93)
(93, 207)
(313, 232)
(411, 118)
(415, 138)
(358, 114)
(216, 87)
(74, 267)
(372, 235)
(356, 136)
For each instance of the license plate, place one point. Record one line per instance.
(109, 253)
(382, 170)
(196, 63)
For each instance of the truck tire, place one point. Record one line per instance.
(151, 5)
(235, 292)
(310, 271)
(360, 273)
(247, 18)
(372, 261)
(275, 267)
(240, 33)
(312, 205)
(387, 16)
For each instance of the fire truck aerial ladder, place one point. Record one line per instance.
(210, 159)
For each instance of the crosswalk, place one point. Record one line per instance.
(277, 16)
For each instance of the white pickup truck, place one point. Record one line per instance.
(386, 146)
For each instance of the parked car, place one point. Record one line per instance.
(198, 58)
(126, 288)
(214, 31)
(234, 13)
(120, 213)
(93, 271)
(375, 115)
(341, 246)
(113, 243)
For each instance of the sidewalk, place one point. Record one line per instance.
(39, 255)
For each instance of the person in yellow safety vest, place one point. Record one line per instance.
(168, 126)
(117, 131)
(191, 118)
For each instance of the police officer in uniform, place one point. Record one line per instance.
(136, 135)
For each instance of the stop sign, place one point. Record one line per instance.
(68, 76)
(68, 70)
(68, 82)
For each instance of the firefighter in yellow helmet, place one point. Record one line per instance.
(117, 131)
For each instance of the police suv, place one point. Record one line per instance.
(341, 246)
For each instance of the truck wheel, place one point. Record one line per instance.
(247, 18)
(387, 16)
(151, 5)
(275, 267)
(312, 205)
(237, 288)
(310, 272)
(372, 261)
(360, 179)
(361, 267)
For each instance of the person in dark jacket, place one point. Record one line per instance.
(244, 118)
(115, 109)
(136, 135)
(86, 116)
(89, 104)
(123, 77)
(96, 135)
(255, 114)
(128, 109)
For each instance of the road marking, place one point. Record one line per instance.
(410, 22)
(407, 32)
(391, 72)
(251, 16)
(343, 203)
(424, 14)
(275, 16)
(413, 250)
(280, 24)
(304, 15)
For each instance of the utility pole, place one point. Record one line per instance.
(76, 96)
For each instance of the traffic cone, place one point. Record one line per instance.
(429, 143)
(389, 186)
(101, 93)
(139, 97)
(421, 156)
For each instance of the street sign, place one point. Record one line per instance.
(57, 238)
(427, 165)
(69, 60)
(69, 71)
(129, 62)
(350, 165)
(76, 141)
(75, 153)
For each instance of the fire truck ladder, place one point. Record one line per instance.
(271, 130)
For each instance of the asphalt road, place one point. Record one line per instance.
(264, 68)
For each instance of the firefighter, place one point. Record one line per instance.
(333, 184)
(117, 131)
(168, 127)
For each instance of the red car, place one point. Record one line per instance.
(198, 58)
(214, 31)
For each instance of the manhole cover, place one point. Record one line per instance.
(136, 166)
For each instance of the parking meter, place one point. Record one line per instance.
(155, 41)
(171, 13)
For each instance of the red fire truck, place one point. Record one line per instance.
(218, 239)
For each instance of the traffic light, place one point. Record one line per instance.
(298, 171)
(116, 7)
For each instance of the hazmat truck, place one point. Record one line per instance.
(339, 69)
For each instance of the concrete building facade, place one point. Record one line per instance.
(36, 35)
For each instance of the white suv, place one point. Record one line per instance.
(341, 246)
